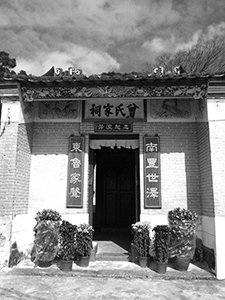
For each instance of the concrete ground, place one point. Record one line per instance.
(107, 280)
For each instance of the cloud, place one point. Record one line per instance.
(173, 44)
(118, 35)
(215, 29)
(88, 60)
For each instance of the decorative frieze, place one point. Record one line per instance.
(45, 93)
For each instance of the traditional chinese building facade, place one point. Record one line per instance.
(111, 150)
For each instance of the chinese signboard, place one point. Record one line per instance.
(113, 127)
(75, 172)
(115, 109)
(152, 172)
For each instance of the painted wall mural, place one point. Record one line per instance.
(27, 112)
(58, 110)
(40, 93)
(170, 108)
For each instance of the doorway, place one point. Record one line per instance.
(116, 202)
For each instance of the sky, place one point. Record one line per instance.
(100, 36)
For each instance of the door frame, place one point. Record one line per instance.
(92, 176)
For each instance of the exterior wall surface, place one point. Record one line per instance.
(179, 166)
(23, 162)
(8, 152)
(8, 147)
(49, 164)
(34, 166)
(206, 230)
(14, 177)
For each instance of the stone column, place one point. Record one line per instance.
(216, 119)
(10, 113)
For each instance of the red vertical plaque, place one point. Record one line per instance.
(152, 176)
(75, 172)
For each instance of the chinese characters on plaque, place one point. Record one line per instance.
(114, 109)
(75, 172)
(113, 127)
(152, 172)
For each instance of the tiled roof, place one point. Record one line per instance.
(110, 77)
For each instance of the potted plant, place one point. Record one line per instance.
(46, 233)
(66, 251)
(182, 223)
(83, 242)
(48, 215)
(141, 241)
(161, 251)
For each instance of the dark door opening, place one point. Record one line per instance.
(116, 203)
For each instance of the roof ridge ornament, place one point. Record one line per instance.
(160, 71)
(70, 72)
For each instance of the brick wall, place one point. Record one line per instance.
(205, 169)
(15, 168)
(8, 146)
(49, 163)
(179, 162)
(217, 142)
(23, 162)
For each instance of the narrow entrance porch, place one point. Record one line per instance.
(113, 246)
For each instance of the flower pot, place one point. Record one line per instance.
(66, 265)
(183, 224)
(161, 267)
(134, 253)
(181, 263)
(83, 261)
(143, 261)
(44, 264)
(94, 251)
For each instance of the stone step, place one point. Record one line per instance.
(112, 255)
(109, 269)
(112, 258)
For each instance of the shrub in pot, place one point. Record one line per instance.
(182, 223)
(83, 243)
(48, 215)
(66, 251)
(160, 244)
(46, 233)
(141, 240)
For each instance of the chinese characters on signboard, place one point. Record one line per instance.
(152, 172)
(113, 127)
(115, 109)
(75, 172)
